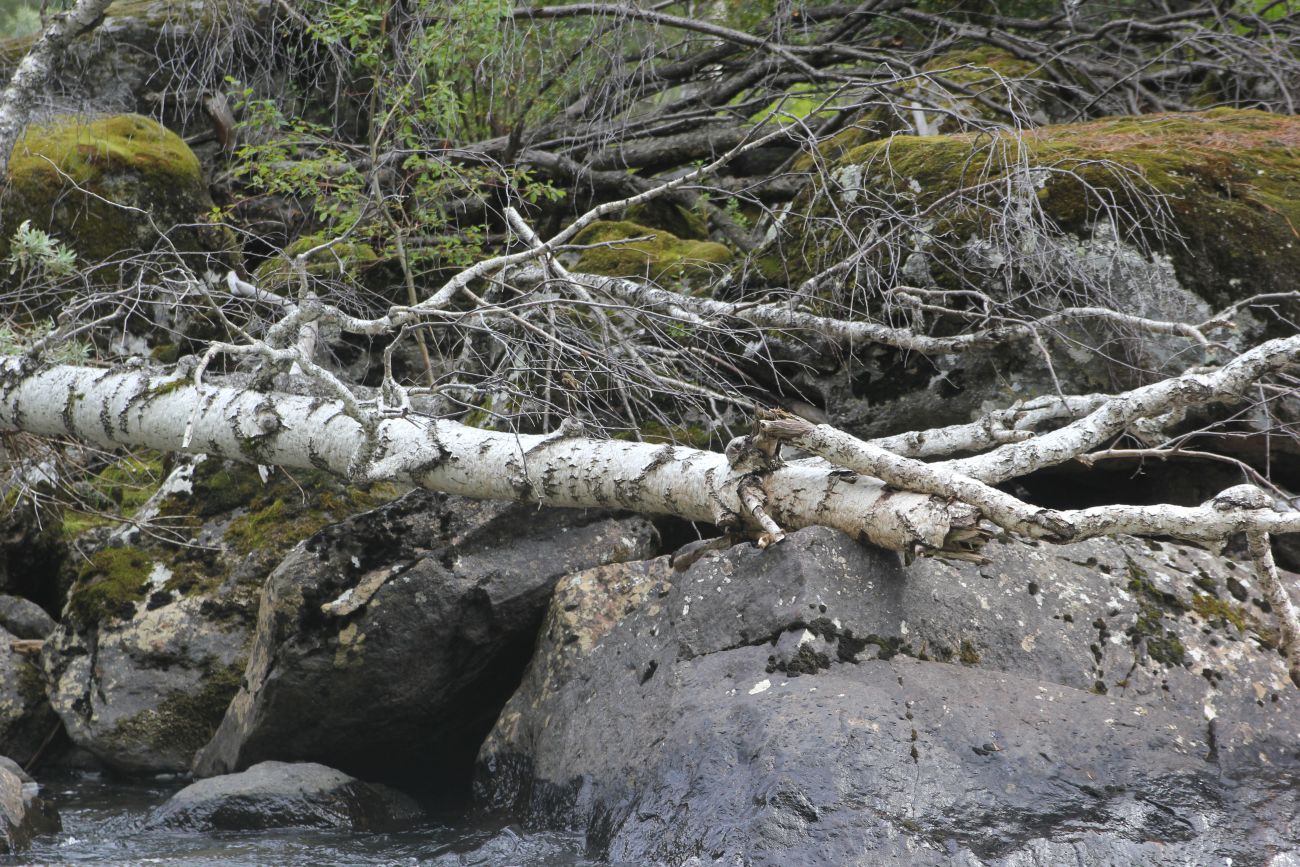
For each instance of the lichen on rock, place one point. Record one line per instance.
(157, 626)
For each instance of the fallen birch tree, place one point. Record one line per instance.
(267, 393)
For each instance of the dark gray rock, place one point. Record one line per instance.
(26, 718)
(388, 644)
(23, 618)
(1110, 702)
(23, 814)
(283, 795)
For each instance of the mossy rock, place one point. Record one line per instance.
(656, 254)
(354, 262)
(107, 186)
(1230, 182)
(671, 217)
(156, 629)
(981, 70)
(183, 720)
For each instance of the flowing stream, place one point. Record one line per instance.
(101, 818)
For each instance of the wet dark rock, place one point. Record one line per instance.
(387, 645)
(818, 703)
(23, 618)
(284, 795)
(23, 814)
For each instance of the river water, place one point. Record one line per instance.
(101, 818)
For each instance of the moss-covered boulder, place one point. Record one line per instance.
(1167, 216)
(355, 264)
(156, 628)
(107, 187)
(1217, 192)
(620, 248)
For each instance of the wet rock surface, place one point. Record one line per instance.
(284, 795)
(387, 644)
(818, 703)
(23, 814)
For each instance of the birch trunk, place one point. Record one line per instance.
(115, 408)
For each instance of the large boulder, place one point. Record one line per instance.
(107, 187)
(156, 629)
(1165, 216)
(23, 814)
(282, 795)
(818, 703)
(386, 645)
(24, 619)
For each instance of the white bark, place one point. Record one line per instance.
(1279, 599)
(1115, 415)
(132, 408)
(1211, 522)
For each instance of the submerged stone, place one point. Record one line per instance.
(284, 795)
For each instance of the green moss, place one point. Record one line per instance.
(1212, 610)
(31, 683)
(185, 721)
(354, 260)
(165, 353)
(106, 186)
(968, 654)
(1231, 178)
(109, 585)
(121, 488)
(671, 217)
(693, 435)
(658, 255)
(277, 520)
(1162, 644)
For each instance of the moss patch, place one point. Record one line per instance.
(109, 585)
(657, 254)
(120, 489)
(349, 260)
(1230, 178)
(1216, 611)
(71, 178)
(1162, 644)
